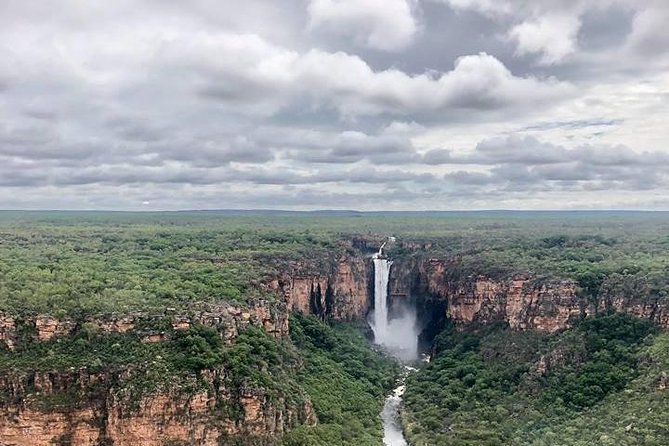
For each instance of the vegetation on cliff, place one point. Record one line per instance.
(346, 381)
(73, 264)
(179, 363)
(486, 385)
(495, 386)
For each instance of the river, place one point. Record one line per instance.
(392, 427)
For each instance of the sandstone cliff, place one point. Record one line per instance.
(339, 289)
(227, 318)
(82, 407)
(522, 301)
(112, 417)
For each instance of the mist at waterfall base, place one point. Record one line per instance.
(398, 334)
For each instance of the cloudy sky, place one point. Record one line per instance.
(348, 104)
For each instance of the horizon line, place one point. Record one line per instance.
(333, 210)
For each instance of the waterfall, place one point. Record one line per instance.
(398, 334)
(381, 276)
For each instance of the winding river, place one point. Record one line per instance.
(392, 427)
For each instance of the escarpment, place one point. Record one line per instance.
(94, 406)
(339, 290)
(228, 319)
(106, 414)
(133, 404)
(520, 300)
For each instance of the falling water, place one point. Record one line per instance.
(399, 335)
(381, 276)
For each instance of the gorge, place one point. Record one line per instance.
(399, 337)
(269, 353)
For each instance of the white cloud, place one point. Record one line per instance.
(553, 36)
(261, 78)
(488, 7)
(387, 25)
(349, 84)
(546, 28)
(650, 36)
(220, 104)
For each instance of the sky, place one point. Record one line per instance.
(334, 104)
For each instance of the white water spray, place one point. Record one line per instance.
(399, 335)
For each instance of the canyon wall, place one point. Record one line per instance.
(112, 417)
(339, 289)
(228, 319)
(85, 408)
(522, 301)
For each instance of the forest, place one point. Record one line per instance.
(483, 385)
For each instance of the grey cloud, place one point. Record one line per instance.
(438, 156)
(358, 175)
(528, 150)
(649, 35)
(387, 25)
(259, 103)
(468, 178)
(605, 27)
(15, 173)
(41, 114)
(576, 124)
(384, 147)
(520, 150)
(573, 178)
(524, 164)
(137, 129)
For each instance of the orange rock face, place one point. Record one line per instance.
(348, 280)
(159, 419)
(35, 428)
(524, 305)
(162, 419)
(523, 302)
(49, 327)
(155, 420)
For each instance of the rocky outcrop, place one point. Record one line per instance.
(230, 319)
(227, 318)
(29, 427)
(162, 418)
(47, 327)
(522, 301)
(561, 355)
(634, 295)
(79, 407)
(7, 332)
(307, 289)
